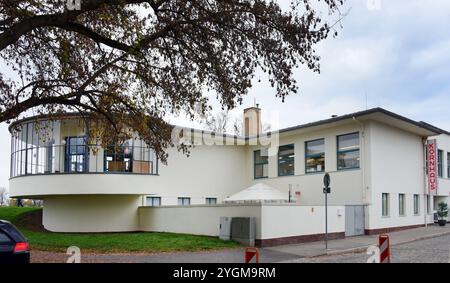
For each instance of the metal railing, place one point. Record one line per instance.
(57, 159)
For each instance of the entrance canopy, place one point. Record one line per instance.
(258, 193)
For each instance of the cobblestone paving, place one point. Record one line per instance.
(435, 250)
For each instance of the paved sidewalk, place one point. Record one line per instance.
(361, 243)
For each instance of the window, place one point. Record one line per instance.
(118, 158)
(401, 204)
(440, 165)
(286, 160)
(385, 204)
(153, 201)
(261, 164)
(211, 201)
(315, 156)
(416, 205)
(184, 201)
(428, 204)
(348, 151)
(76, 154)
(448, 165)
(4, 239)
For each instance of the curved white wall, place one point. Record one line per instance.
(91, 213)
(209, 171)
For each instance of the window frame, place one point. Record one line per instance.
(255, 164)
(402, 204)
(68, 155)
(388, 204)
(208, 199)
(314, 155)
(448, 165)
(440, 163)
(182, 201)
(153, 198)
(290, 159)
(348, 151)
(416, 204)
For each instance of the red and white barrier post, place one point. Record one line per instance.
(250, 253)
(385, 250)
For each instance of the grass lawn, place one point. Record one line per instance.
(112, 242)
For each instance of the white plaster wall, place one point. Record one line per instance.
(95, 213)
(443, 142)
(396, 166)
(346, 185)
(293, 220)
(197, 220)
(209, 171)
(272, 220)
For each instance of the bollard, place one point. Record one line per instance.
(385, 250)
(250, 253)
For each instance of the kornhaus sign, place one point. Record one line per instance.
(432, 165)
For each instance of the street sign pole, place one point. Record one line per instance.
(326, 191)
(326, 221)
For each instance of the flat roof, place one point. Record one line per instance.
(364, 113)
(419, 127)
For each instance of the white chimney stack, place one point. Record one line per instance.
(252, 121)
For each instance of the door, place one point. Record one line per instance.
(354, 220)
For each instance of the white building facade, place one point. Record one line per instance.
(376, 160)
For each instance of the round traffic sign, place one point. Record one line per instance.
(326, 180)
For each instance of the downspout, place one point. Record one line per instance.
(425, 201)
(363, 172)
(363, 158)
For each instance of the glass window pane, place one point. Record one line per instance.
(315, 147)
(260, 164)
(385, 204)
(348, 142)
(286, 160)
(315, 164)
(348, 160)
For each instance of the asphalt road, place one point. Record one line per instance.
(434, 250)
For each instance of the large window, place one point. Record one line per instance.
(119, 158)
(416, 205)
(286, 160)
(46, 147)
(31, 151)
(76, 154)
(448, 165)
(401, 204)
(184, 201)
(440, 163)
(348, 151)
(385, 204)
(153, 201)
(315, 156)
(261, 164)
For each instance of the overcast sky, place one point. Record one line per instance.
(397, 56)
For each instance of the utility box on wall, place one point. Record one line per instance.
(225, 228)
(243, 230)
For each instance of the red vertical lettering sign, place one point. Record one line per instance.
(432, 165)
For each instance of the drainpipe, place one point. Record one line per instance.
(363, 158)
(425, 201)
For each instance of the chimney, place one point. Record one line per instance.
(252, 121)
